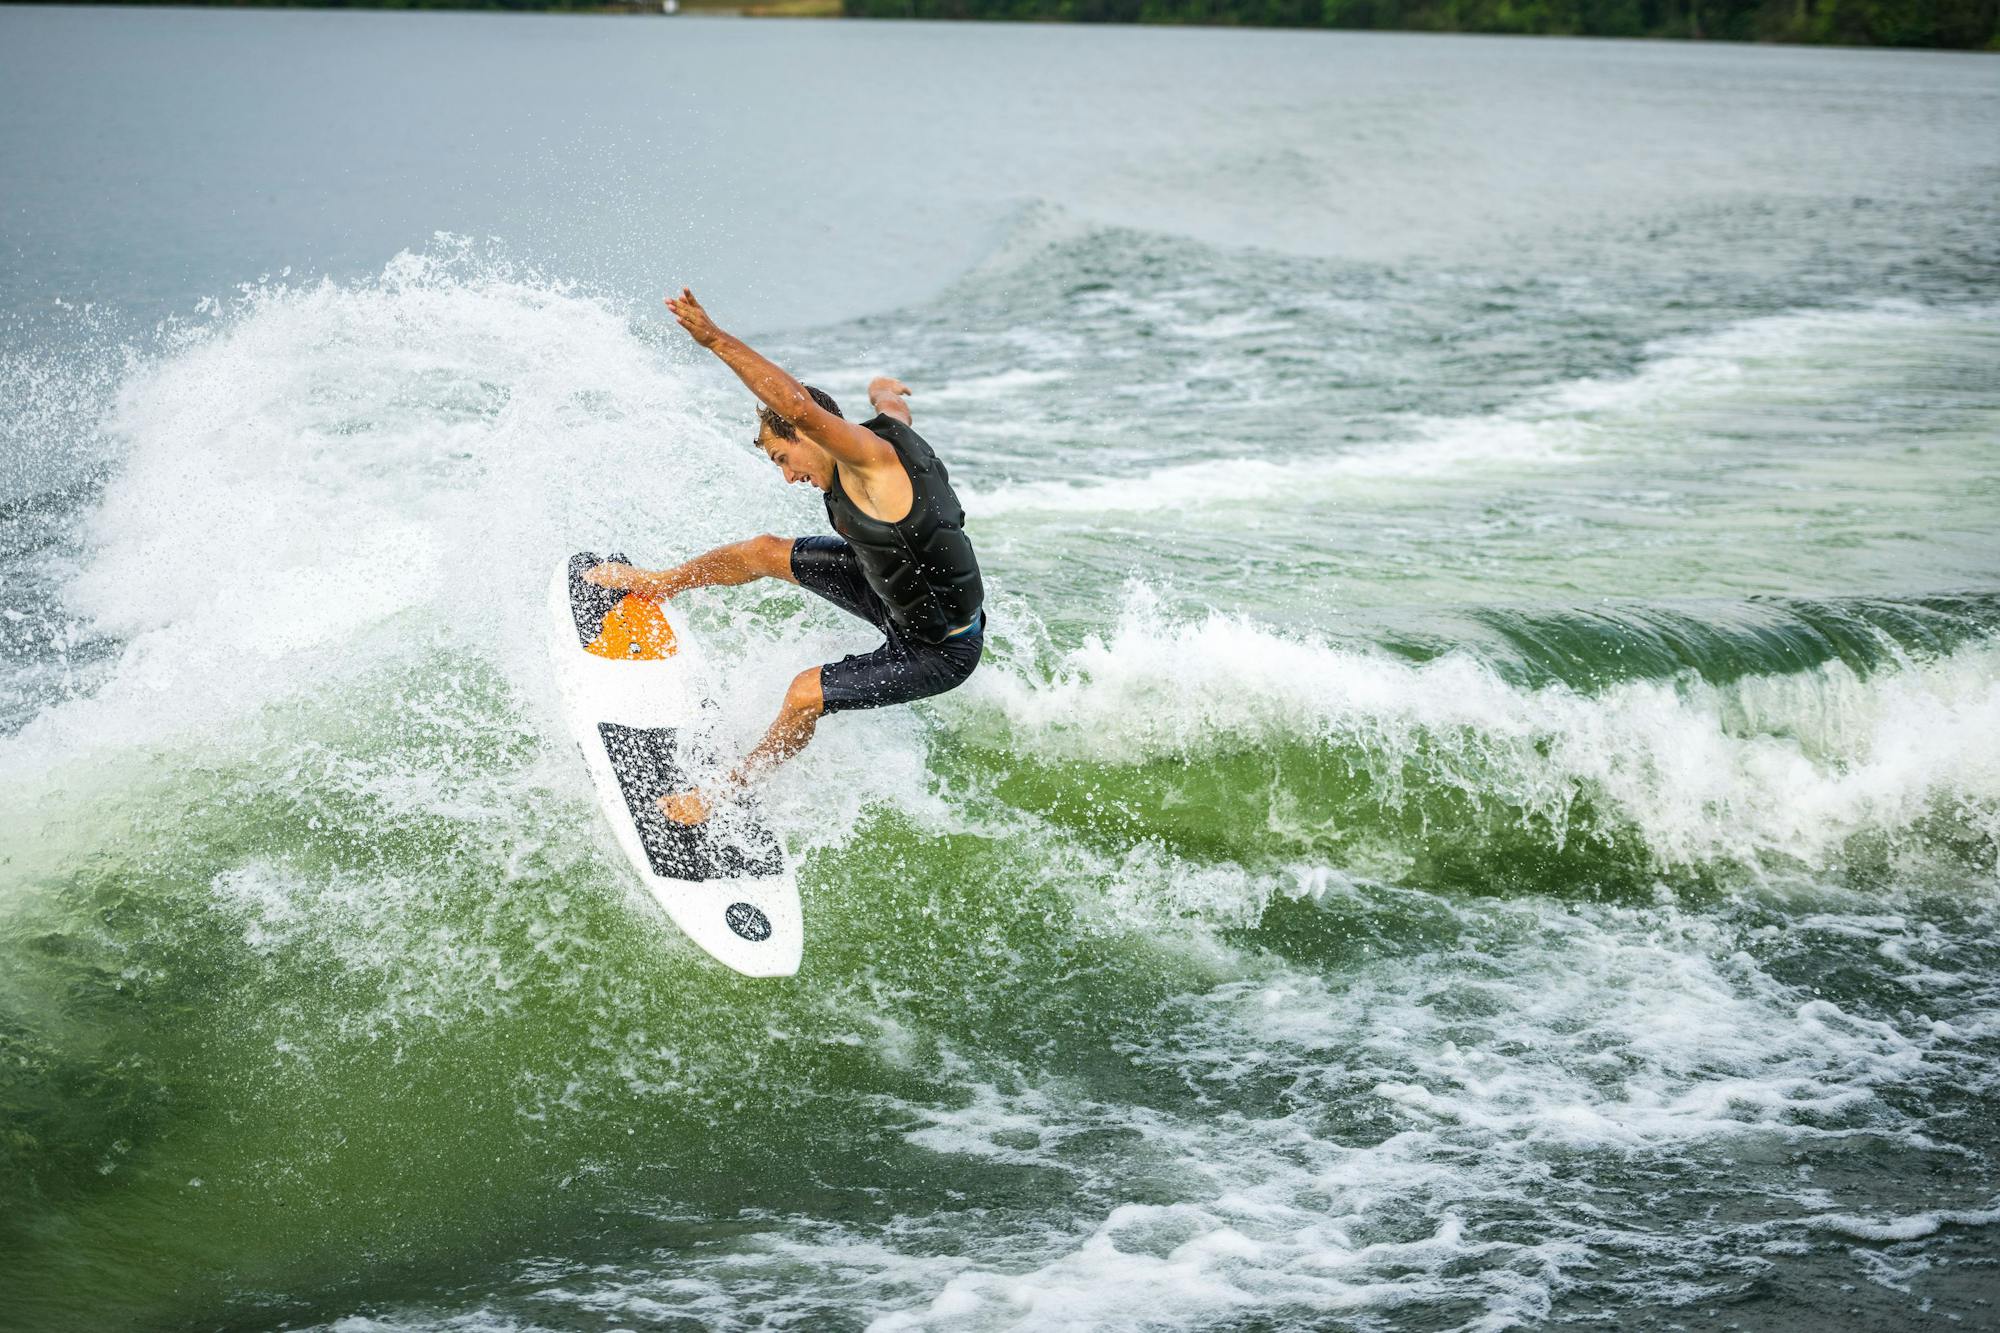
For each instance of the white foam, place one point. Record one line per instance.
(1436, 446)
(1558, 1031)
(1913, 1227)
(1781, 765)
(471, 1321)
(1744, 368)
(1799, 357)
(333, 477)
(985, 388)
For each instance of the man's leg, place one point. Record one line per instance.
(828, 568)
(790, 732)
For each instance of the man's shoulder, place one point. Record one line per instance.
(912, 448)
(891, 429)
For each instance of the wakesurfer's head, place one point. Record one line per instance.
(796, 456)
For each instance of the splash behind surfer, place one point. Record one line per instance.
(901, 561)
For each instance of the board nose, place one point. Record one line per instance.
(636, 629)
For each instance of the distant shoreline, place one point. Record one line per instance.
(1954, 25)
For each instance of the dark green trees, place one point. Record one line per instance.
(1952, 23)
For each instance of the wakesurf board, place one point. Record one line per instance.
(632, 693)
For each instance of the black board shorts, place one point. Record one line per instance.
(904, 667)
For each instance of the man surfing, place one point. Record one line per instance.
(902, 561)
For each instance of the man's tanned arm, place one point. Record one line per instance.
(850, 444)
(724, 567)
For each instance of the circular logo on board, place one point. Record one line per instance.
(748, 921)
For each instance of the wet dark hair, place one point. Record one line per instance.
(784, 429)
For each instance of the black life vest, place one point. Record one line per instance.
(921, 566)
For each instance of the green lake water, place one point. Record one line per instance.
(1481, 806)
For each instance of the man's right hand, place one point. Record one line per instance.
(611, 574)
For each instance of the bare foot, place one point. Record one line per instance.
(685, 807)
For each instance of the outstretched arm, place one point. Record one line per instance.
(724, 567)
(886, 395)
(850, 444)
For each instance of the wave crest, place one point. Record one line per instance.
(1785, 765)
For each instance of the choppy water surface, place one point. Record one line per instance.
(1481, 809)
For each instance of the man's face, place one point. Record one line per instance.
(795, 458)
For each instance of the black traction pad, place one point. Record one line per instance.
(588, 603)
(649, 765)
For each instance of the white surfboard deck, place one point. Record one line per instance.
(631, 682)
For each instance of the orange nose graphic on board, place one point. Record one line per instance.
(634, 630)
